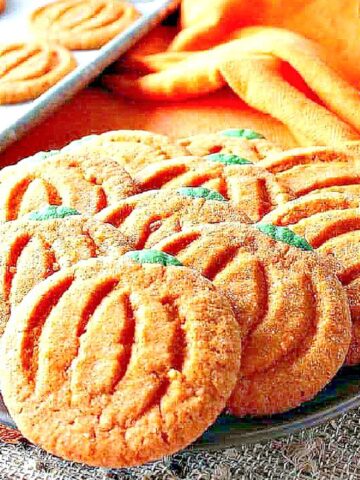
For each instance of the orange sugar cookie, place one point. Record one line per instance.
(330, 222)
(242, 142)
(151, 216)
(305, 170)
(248, 187)
(133, 149)
(29, 69)
(115, 363)
(32, 250)
(81, 25)
(291, 308)
(86, 182)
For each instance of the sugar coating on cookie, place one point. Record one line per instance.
(87, 182)
(30, 69)
(113, 363)
(82, 25)
(248, 187)
(245, 143)
(32, 250)
(330, 222)
(304, 170)
(291, 308)
(133, 149)
(147, 218)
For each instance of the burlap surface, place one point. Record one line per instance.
(331, 451)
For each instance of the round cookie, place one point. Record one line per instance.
(330, 222)
(31, 250)
(304, 170)
(291, 308)
(29, 69)
(147, 218)
(115, 363)
(133, 149)
(244, 143)
(86, 182)
(247, 186)
(81, 25)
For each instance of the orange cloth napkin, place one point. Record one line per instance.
(309, 86)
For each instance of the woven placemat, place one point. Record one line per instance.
(331, 452)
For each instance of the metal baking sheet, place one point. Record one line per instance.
(15, 120)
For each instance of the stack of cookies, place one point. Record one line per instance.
(150, 285)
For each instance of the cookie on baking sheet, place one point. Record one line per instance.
(86, 182)
(151, 216)
(116, 363)
(49, 240)
(309, 169)
(82, 25)
(133, 149)
(330, 222)
(242, 142)
(29, 69)
(292, 310)
(248, 187)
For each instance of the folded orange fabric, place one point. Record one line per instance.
(273, 70)
(334, 24)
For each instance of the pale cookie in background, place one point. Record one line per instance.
(250, 188)
(82, 25)
(34, 248)
(242, 142)
(292, 310)
(309, 169)
(151, 216)
(28, 70)
(133, 149)
(114, 363)
(86, 182)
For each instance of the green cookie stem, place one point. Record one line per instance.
(153, 256)
(241, 133)
(201, 192)
(227, 159)
(285, 235)
(53, 211)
